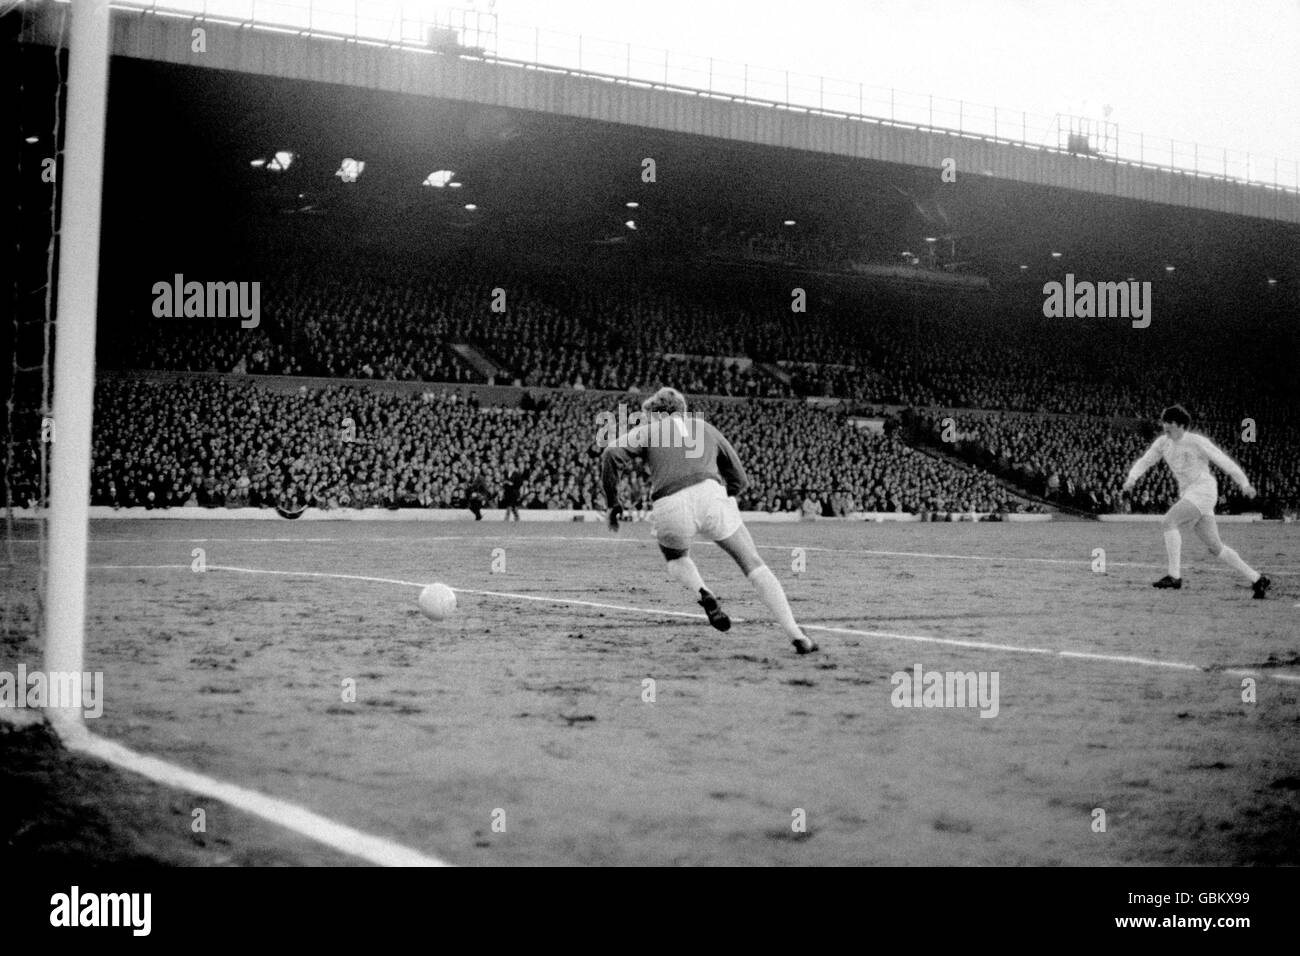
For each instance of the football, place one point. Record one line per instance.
(437, 601)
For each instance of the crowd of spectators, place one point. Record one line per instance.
(365, 320)
(226, 442)
(797, 449)
(211, 442)
(367, 323)
(197, 346)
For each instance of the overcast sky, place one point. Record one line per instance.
(1218, 72)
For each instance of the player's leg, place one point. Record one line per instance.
(741, 547)
(1207, 529)
(674, 528)
(683, 570)
(1182, 513)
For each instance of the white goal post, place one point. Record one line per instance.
(80, 182)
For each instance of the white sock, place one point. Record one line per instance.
(773, 595)
(1174, 548)
(683, 570)
(1233, 560)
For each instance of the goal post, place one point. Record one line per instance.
(80, 182)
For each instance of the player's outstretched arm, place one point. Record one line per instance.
(1143, 464)
(613, 459)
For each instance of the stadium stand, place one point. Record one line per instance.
(356, 321)
(213, 442)
(1086, 389)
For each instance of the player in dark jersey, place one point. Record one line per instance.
(695, 475)
(514, 484)
(476, 496)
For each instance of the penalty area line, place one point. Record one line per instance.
(887, 635)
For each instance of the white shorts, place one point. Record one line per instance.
(703, 509)
(1203, 494)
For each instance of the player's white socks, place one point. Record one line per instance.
(1233, 560)
(684, 570)
(1174, 548)
(773, 595)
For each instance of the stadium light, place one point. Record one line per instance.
(1272, 282)
(789, 222)
(633, 205)
(454, 185)
(350, 170)
(1169, 268)
(33, 139)
(1056, 255)
(1023, 267)
(470, 206)
(931, 239)
(257, 163)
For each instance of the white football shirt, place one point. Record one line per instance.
(1189, 459)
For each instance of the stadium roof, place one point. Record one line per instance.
(182, 146)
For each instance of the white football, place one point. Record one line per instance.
(437, 601)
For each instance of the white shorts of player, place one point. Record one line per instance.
(702, 509)
(1204, 493)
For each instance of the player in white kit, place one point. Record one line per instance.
(695, 475)
(1188, 456)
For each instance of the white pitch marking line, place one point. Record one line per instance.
(315, 574)
(889, 635)
(927, 639)
(503, 594)
(373, 849)
(597, 604)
